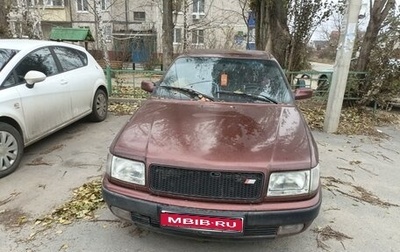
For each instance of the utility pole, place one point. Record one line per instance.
(342, 65)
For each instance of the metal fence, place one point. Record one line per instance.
(125, 83)
(320, 81)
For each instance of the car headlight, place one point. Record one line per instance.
(293, 183)
(126, 170)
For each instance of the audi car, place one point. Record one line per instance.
(219, 151)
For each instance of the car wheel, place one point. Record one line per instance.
(99, 107)
(11, 149)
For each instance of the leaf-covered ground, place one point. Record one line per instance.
(353, 120)
(85, 200)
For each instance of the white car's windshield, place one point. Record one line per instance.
(225, 79)
(5, 56)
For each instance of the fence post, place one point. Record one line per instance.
(108, 79)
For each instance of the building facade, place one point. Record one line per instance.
(132, 29)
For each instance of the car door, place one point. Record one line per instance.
(47, 105)
(80, 79)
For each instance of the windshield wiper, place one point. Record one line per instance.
(188, 91)
(255, 97)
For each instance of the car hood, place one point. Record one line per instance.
(217, 135)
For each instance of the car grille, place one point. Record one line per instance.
(205, 184)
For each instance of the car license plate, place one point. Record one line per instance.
(210, 223)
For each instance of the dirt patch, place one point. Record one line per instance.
(38, 161)
(13, 218)
(56, 147)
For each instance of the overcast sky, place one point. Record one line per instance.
(330, 24)
(362, 23)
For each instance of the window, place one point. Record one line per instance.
(70, 59)
(198, 6)
(139, 15)
(104, 4)
(40, 60)
(82, 5)
(55, 3)
(107, 32)
(9, 81)
(177, 35)
(198, 37)
(5, 56)
(47, 3)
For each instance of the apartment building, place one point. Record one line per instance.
(133, 28)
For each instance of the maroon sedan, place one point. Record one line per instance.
(220, 150)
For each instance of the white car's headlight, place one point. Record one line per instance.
(293, 183)
(126, 170)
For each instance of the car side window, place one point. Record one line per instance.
(9, 81)
(70, 58)
(40, 60)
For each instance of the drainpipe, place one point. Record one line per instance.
(126, 15)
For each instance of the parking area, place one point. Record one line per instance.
(360, 208)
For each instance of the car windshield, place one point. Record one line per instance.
(5, 56)
(225, 79)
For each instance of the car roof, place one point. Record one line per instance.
(229, 53)
(27, 44)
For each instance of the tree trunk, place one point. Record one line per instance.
(272, 32)
(168, 34)
(4, 10)
(100, 32)
(378, 13)
(185, 25)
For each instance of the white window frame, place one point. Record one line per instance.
(196, 6)
(48, 3)
(83, 3)
(107, 32)
(197, 32)
(176, 41)
(105, 4)
(51, 4)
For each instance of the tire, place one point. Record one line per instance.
(99, 107)
(11, 149)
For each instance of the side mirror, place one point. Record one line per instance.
(147, 86)
(33, 77)
(303, 93)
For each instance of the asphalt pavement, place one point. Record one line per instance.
(360, 209)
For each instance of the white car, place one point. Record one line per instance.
(44, 86)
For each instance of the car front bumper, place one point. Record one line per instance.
(256, 224)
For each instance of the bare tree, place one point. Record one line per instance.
(101, 30)
(167, 35)
(25, 19)
(285, 27)
(384, 65)
(379, 10)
